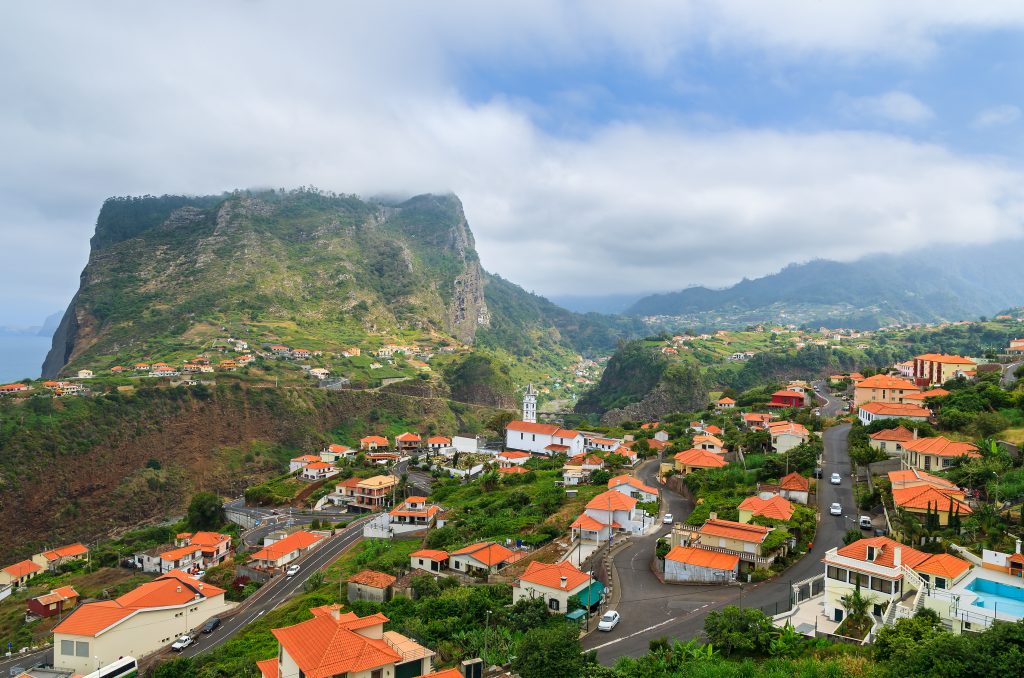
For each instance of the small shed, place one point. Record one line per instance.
(685, 564)
(370, 585)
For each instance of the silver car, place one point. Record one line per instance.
(608, 621)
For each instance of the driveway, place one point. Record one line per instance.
(651, 609)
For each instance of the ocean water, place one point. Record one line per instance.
(21, 356)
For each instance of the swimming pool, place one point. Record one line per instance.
(998, 597)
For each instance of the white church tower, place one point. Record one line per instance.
(530, 405)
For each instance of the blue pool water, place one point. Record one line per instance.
(999, 597)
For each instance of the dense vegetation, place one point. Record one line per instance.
(631, 373)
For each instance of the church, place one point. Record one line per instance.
(543, 439)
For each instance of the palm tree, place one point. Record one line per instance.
(856, 607)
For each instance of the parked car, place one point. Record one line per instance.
(211, 624)
(865, 522)
(183, 642)
(292, 570)
(881, 532)
(835, 479)
(608, 621)
(668, 519)
(817, 472)
(835, 509)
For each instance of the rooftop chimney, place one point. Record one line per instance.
(915, 434)
(713, 516)
(563, 581)
(179, 589)
(1017, 546)
(897, 556)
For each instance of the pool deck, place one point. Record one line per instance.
(965, 597)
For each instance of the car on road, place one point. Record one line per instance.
(835, 479)
(835, 509)
(609, 621)
(183, 642)
(211, 624)
(668, 519)
(292, 570)
(865, 522)
(817, 472)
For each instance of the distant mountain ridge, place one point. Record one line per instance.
(337, 268)
(932, 285)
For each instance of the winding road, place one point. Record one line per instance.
(651, 609)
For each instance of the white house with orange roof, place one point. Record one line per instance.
(415, 511)
(795, 487)
(691, 460)
(787, 434)
(278, 551)
(739, 539)
(883, 388)
(54, 558)
(334, 453)
(318, 470)
(633, 487)
(512, 458)
(408, 442)
(485, 556)
(298, 463)
(891, 440)
(869, 412)
(725, 403)
(19, 573)
(708, 442)
(438, 443)
(936, 453)
(430, 560)
(138, 623)
(552, 583)
(336, 643)
(687, 564)
(618, 509)
(544, 439)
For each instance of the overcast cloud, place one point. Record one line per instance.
(204, 97)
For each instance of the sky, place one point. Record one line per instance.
(598, 147)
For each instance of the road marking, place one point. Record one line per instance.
(636, 633)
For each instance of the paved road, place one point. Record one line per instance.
(279, 589)
(651, 609)
(833, 404)
(1008, 373)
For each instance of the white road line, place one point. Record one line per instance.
(636, 633)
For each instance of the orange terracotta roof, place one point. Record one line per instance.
(430, 554)
(942, 447)
(795, 482)
(787, 393)
(895, 409)
(374, 439)
(731, 529)
(776, 507)
(545, 429)
(318, 465)
(69, 551)
(943, 565)
(587, 522)
(884, 552)
(707, 439)
(513, 470)
(756, 417)
(90, 619)
(439, 440)
(326, 645)
(445, 673)
(544, 574)
(916, 477)
(409, 438)
(923, 497)
(486, 552)
(632, 482)
(268, 667)
(934, 393)
(337, 449)
(712, 429)
(900, 434)
(378, 580)
(19, 570)
(307, 458)
(610, 499)
(943, 358)
(178, 553)
(726, 401)
(703, 558)
(293, 542)
(700, 458)
(66, 591)
(887, 382)
(512, 454)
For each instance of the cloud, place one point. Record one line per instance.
(997, 116)
(200, 98)
(892, 106)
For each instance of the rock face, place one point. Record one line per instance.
(681, 389)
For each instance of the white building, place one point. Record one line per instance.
(684, 564)
(545, 439)
(617, 509)
(787, 434)
(869, 412)
(554, 584)
(530, 405)
(632, 486)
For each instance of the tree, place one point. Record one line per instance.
(852, 536)
(550, 651)
(856, 606)
(205, 512)
(735, 630)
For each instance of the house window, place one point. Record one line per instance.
(883, 585)
(836, 573)
(553, 604)
(81, 648)
(67, 647)
(940, 583)
(377, 673)
(947, 462)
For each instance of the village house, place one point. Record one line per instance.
(710, 443)
(544, 439)
(512, 458)
(296, 464)
(438, 443)
(370, 443)
(334, 453)
(334, 643)
(869, 412)
(1016, 347)
(19, 574)
(85, 374)
(214, 547)
(414, 511)
(879, 565)
(787, 434)
(905, 368)
(370, 585)
(408, 443)
(319, 373)
(725, 403)
(318, 470)
(617, 509)
(632, 486)
(54, 558)
(165, 559)
(142, 621)
(429, 560)
(141, 367)
(739, 539)
(382, 458)
(594, 442)
(756, 420)
(774, 506)
(694, 460)
(787, 398)
(914, 478)
(280, 350)
(935, 369)
(936, 453)
(928, 499)
(891, 440)
(57, 602)
(482, 557)
(301, 353)
(689, 565)
(279, 550)
(882, 388)
(374, 493)
(555, 584)
(8, 389)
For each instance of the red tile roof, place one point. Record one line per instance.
(924, 497)
(372, 578)
(887, 382)
(512, 454)
(439, 440)
(611, 499)
(703, 558)
(328, 645)
(545, 429)
(776, 507)
(513, 470)
(731, 529)
(895, 409)
(374, 439)
(550, 576)
(632, 482)
(700, 458)
(795, 483)
(587, 522)
(268, 667)
(934, 393)
(69, 551)
(900, 434)
(293, 542)
(486, 552)
(943, 358)
(726, 401)
(409, 437)
(943, 565)
(942, 447)
(916, 477)
(788, 394)
(430, 554)
(19, 570)
(444, 673)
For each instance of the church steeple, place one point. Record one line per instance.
(530, 405)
